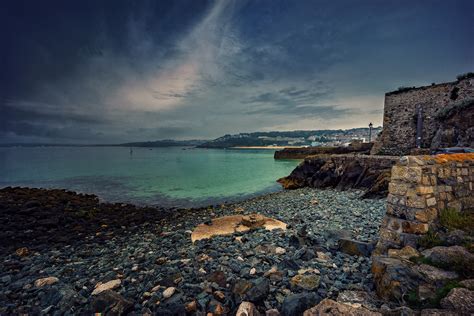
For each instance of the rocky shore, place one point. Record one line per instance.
(68, 253)
(345, 171)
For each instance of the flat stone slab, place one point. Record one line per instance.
(228, 225)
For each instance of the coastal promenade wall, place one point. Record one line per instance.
(301, 153)
(441, 103)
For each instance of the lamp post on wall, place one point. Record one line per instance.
(370, 131)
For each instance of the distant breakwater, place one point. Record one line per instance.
(303, 152)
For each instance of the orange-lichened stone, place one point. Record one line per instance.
(414, 228)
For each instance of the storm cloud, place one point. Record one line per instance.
(117, 71)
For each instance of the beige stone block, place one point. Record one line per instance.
(424, 189)
(449, 196)
(427, 215)
(398, 188)
(426, 180)
(431, 202)
(416, 201)
(433, 179)
(441, 173)
(387, 235)
(465, 172)
(410, 174)
(394, 224)
(406, 252)
(398, 172)
(414, 227)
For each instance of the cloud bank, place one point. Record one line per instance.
(117, 71)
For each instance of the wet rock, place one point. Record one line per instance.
(455, 237)
(272, 312)
(110, 303)
(438, 312)
(357, 298)
(455, 257)
(259, 290)
(280, 250)
(22, 252)
(191, 307)
(6, 279)
(247, 309)
(168, 292)
(253, 220)
(426, 292)
(398, 311)
(219, 295)
(274, 274)
(46, 281)
(330, 307)
(469, 284)
(307, 282)
(296, 304)
(241, 287)
(394, 277)
(459, 299)
(434, 275)
(406, 252)
(64, 299)
(100, 287)
(217, 277)
(356, 248)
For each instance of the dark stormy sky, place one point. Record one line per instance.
(113, 71)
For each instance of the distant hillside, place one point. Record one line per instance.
(165, 143)
(291, 138)
(157, 143)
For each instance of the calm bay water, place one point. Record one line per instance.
(162, 176)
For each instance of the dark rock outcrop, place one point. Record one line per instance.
(370, 173)
(296, 304)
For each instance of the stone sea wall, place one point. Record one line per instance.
(420, 188)
(425, 254)
(447, 117)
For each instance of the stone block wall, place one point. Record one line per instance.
(420, 188)
(399, 122)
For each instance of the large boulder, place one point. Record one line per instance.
(394, 277)
(247, 309)
(109, 302)
(460, 300)
(435, 275)
(296, 304)
(453, 258)
(333, 308)
(356, 248)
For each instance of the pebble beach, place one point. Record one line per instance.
(82, 250)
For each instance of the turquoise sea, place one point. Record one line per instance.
(172, 176)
